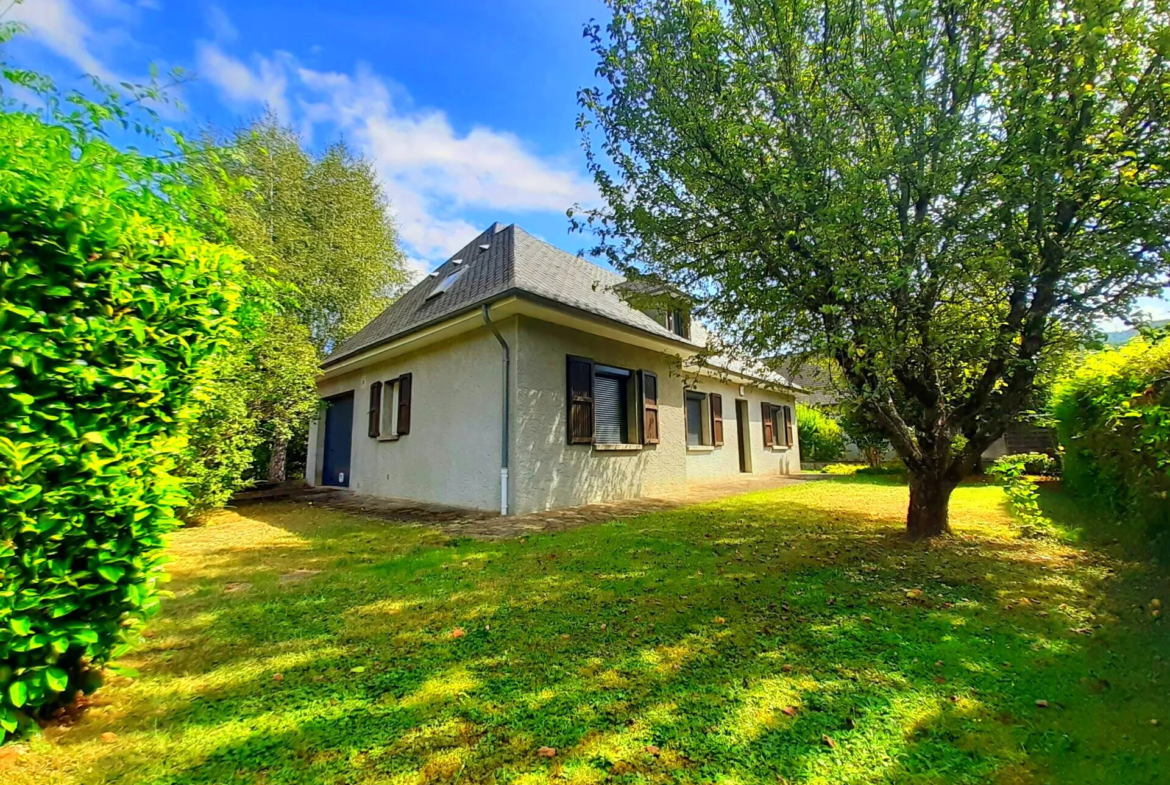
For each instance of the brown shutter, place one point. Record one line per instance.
(766, 408)
(649, 408)
(717, 419)
(787, 426)
(375, 409)
(579, 383)
(404, 385)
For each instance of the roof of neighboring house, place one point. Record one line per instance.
(814, 382)
(503, 260)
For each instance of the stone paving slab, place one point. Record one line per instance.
(483, 525)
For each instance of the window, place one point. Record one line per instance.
(695, 419)
(777, 425)
(390, 404)
(446, 283)
(678, 322)
(611, 404)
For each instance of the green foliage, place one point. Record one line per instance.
(1113, 421)
(863, 433)
(324, 252)
(110, 306)
(258, 391)
(821, 438)
(1016, 473)
(317, 224)
(938, 197)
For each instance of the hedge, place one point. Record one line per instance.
(1113, 421)
(821, 437)
(109, 308)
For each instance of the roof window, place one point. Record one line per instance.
(446, 283)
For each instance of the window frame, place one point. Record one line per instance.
(388, 424)
(449, 280)
(704, 415)
(627, 379)
(390, 407)
(633, 404)
(678, 321)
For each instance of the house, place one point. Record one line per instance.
(516, 378)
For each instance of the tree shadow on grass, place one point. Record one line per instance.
(695, 632)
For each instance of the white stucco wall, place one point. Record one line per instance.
(549, 472)
(452, 453)
(711, 463)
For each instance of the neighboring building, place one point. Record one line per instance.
(600, 404)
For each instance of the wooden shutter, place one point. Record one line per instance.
(404, 385)
(649, 408)
(375, 409)
(579, 383)
(716, 401)
(766, 408)
(787, 426)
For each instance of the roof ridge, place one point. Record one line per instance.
(580, 260)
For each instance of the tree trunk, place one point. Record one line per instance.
(276, 460)
(930, 498)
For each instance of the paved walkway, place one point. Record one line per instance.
(485, 526)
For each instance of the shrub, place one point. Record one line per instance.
(1016, 472)
(109, 307)
(821, 438)
(1113, 421)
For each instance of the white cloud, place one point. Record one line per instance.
(267, 84)
(221, 26)
(431, 172)
(58, 25)
(417, 269)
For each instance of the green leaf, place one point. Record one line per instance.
(21, 625)
(8, 720)
(56, 679)
(111, 573)
(18, 693)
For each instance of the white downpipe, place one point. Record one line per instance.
(504, 490)
(507, 412)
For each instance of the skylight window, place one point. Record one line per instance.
(446, 283)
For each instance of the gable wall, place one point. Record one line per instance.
(452, 454)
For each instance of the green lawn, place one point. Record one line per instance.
(727, 643)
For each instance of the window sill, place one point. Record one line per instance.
(780, 448)
(617, 447)
(393, 438)
(700, 447)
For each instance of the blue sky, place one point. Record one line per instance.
(466, 108)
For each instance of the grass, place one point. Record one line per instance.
(724, 643)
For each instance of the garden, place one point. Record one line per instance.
(789, 636)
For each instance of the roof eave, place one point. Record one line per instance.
(360, 357)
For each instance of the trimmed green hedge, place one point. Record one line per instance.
(109, 306)
(1113, 421)
(821, 438)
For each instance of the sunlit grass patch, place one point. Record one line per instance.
(719, 643)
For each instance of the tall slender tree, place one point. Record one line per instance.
(929, 192)
(318, 227)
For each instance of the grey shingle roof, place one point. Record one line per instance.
(515, 262)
